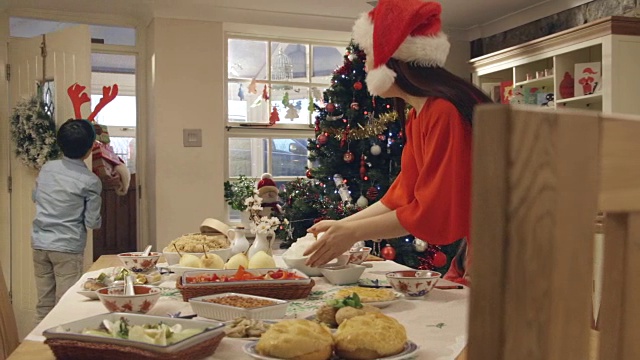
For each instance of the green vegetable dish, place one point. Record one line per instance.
(157, 334)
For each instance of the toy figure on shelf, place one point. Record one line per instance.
(111, 169)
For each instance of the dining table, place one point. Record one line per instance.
(436, 323)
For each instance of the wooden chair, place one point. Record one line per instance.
(539, 178)
(8, 328)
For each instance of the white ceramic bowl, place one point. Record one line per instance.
(414, 284)
(114, 299)
(136, 263)
(298, 263)
(342, 275)
(173, 258)
(226, 312)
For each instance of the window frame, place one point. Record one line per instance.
(263, 131)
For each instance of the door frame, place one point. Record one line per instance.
(139, 50)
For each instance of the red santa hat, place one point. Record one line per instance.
(266, 184)
(407, 30)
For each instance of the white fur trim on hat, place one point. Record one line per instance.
(421, 50)
(380, 80)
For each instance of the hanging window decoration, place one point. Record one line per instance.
(48, 89)
(281, 67)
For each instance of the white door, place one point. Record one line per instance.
(68, 60)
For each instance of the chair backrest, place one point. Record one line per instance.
(8, 327)
(539, 179)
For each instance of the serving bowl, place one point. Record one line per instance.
(299, 263)
(114, 299)
(414, 284)
(173, 258)
(359, 255)
(135, 262)
(203, 306)
(343, 274)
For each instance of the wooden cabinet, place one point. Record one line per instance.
(612, 43)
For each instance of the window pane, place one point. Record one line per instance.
(125, 148)
(120, 112)
(297, 109)
(247, 59)
(243, 106)
(247, 156)
(325, 60)
(289, 62)
(289, 157)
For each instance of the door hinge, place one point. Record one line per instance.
(139, 192)
(9, 183)
(7, 72)
(10, 296)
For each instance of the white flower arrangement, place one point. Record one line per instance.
(34, 133)
(260, 224)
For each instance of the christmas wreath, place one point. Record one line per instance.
(34, 133)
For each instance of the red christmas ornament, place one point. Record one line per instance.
(389, 253)
(439, 259)
(322, 139)
(348, 157)
(357, 85)
(317, 128)
(363, 169)
(330, 107)
(355, 106)
(372, 193)
(309, 174)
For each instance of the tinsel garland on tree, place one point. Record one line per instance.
(33, 132)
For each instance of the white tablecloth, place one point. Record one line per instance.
(438, 323)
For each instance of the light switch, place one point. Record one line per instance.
(192, 137)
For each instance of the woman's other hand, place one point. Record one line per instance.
(333, 243)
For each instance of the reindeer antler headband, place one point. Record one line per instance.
(79, 97)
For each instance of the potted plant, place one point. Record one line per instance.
(236, 192)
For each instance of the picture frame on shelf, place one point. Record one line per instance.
(587, 78)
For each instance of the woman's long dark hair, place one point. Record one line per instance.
(437, 82)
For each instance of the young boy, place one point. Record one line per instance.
(67, 198)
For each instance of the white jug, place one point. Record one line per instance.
(239, 242)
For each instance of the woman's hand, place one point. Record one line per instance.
(333, 243)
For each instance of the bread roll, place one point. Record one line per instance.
(369, 336)
(297, 339)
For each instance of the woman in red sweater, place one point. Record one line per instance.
(431, 197)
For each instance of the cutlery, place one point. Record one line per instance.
(147, 251)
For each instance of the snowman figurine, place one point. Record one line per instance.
(268, 191)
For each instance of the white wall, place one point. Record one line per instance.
(5, 154)
(184, 185)
(458, 60)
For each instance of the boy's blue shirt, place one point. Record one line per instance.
(68, 201)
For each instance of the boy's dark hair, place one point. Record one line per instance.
(75, 138)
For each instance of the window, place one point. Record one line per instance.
(268, 74)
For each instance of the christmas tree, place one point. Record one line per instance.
(355, 157)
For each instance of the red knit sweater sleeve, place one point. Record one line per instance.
(432, 194)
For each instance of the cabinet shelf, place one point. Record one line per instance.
(546, 81)
(581, 101)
